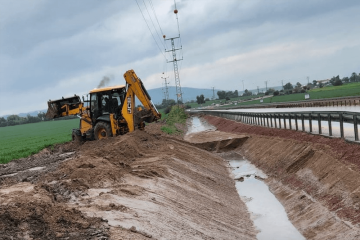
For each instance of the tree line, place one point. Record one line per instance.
(13, 120)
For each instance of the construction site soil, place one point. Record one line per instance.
(142, 185)
(314, 177)
(149, 185)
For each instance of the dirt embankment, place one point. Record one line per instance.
(138, 186)
(315, 178)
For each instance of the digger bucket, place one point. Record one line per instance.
(57, 108)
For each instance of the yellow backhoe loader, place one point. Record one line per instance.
(110, 111)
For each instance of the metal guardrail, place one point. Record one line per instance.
(325, 102)
(283, 118)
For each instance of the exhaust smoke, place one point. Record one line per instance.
(104, 81)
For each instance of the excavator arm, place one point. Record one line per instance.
(136, 88)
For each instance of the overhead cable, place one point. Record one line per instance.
(153, 24)
(150, 30)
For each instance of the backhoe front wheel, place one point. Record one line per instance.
(102, 130)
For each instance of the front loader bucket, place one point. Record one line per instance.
(58, 108)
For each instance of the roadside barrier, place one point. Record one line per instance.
(327, 102)
(294, 120)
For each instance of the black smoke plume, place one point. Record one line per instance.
(104, 82)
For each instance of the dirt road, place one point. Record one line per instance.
(143, 185)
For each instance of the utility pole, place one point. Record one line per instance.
(176, 69)
(258, 90)
(266, 82)
(308, 78)
(166, 92)
(243, 85)
(213, 93)
(282, 83)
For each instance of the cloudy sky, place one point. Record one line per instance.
(50, 49)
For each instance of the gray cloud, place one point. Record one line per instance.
(67, 43)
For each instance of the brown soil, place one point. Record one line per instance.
(315, 178)
(138, 186)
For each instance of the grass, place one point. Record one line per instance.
(24, 140)
(208, 103)
(176, 115)
(346, 90)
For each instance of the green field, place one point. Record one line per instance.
(23, 140)
(346, 90)
(217, 101)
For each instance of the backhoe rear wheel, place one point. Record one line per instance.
(76, 136)
(102, 130)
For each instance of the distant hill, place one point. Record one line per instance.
(157, 94)
(33, 113)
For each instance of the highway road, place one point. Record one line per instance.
(303, 109)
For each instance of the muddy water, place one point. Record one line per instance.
(268, 214)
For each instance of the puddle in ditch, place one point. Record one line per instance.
(199, 126)
(268, 214)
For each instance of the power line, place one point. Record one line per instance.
(150, 30)
(153, 23)
(157, 20)
(153, 9)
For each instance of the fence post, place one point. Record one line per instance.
(319, 123)
(310, 122)
(341, 125)
(279, 120)
(330, 128)
(290, 121)
(267, 120)
(296, 123)
(271, 121)
(356, 131)
(284, 121)
(303, 123)
(275, 120)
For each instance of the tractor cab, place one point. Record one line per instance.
(106, 101)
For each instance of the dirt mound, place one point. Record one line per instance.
(314, 177)
(348, 153)
(28, 212)
(137, 186)
(216, 141)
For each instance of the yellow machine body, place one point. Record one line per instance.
(110, 111)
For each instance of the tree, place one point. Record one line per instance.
(334, 79)
(41, 115)
(345, 80)
(298, 85)
(337, 82)
(13, 118)
(353, 77)
(221, 94)
(247, 93)
(288, 86)
(236, 93)
(314, 83)
(276, 93)
(200, 99)
(321, 85)
(271, 90)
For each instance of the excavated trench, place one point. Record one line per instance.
(314, 178)
(268, 214)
